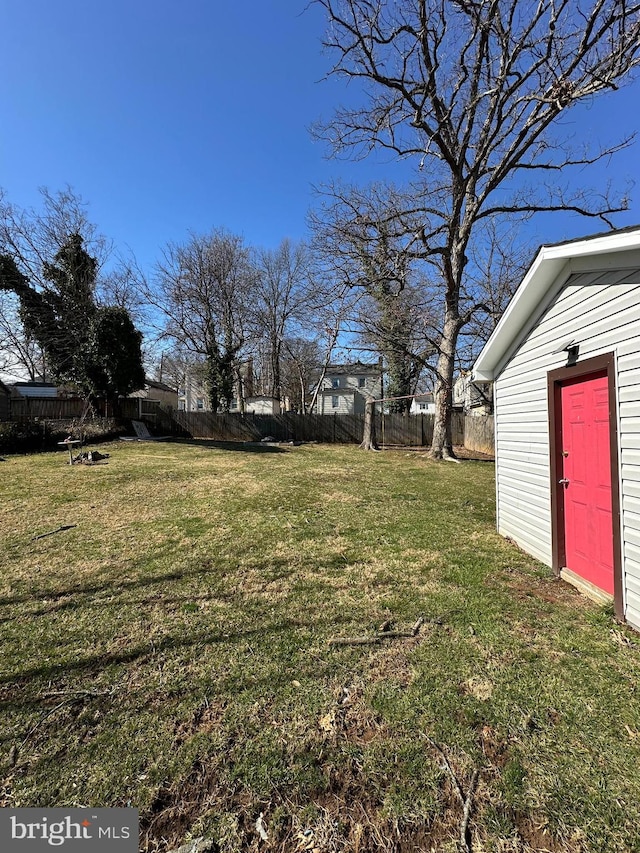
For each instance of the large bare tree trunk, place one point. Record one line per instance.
(369, 435)
(442, 443)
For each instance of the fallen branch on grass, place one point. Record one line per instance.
(465, 839)
(466, 800)
(51, 532)
(376, 639)
(71, 697)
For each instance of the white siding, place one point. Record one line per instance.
(347, 403)
(350, 393)
(600, 312)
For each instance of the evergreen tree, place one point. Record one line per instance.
(94, 349)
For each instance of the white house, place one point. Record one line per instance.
(470, 398)
(259, 404)
(423, 404)
(345, 388)
(565, 361)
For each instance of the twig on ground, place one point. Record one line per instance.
(36, 726)
(383, 634)
(81, 694)
(51, 532)
(465, 839)
(71, 697)
(447, 766)
(466, 800)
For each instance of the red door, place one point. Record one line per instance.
(585, 482)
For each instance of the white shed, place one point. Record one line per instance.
(565, 362)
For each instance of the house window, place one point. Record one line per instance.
(334, 401)
(361, 381)
(181, 405)
(200, 403)
(422, 406)
(335, 383)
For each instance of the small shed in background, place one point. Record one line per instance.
(565, 362)
(5, 402)
(34, 389)
(157, 391)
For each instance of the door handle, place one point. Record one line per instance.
(563, 482)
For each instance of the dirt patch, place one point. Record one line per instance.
(550, 589)
(206, 718)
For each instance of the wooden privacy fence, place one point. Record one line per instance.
(414, 430)
(475, 433)
(479, 434)
(68, 408)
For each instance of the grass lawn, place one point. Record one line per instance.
(171, 651)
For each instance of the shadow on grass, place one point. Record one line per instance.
(242, 446)
(91, 589)
(205, 567)
(84, 669)
(82, 597)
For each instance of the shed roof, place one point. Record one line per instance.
(546, 275)
(354, 368)
(159, 386)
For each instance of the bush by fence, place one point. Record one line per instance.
(33, 436)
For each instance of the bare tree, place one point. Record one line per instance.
(391, 318)
(32, 237)
(369, 441)
(282, 293)
(471, 92)
(302, 358)
(497, 264)
(201, 289)
(20, 355)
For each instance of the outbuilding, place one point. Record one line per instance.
(5, 402)
(565, 363)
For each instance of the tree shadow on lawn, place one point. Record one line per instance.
(91, 589)
(84, 669)
(240, 445)
(94, 663)
(205, 567)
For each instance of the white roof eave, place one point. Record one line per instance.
(535, 288)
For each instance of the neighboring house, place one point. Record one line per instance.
(192, 395)
(5, 402)
(565, 362)
(158, 391)
(345, 388)
(258, 405)
(423, 404)
(470, 398)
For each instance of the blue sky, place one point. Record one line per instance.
(168, 117)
